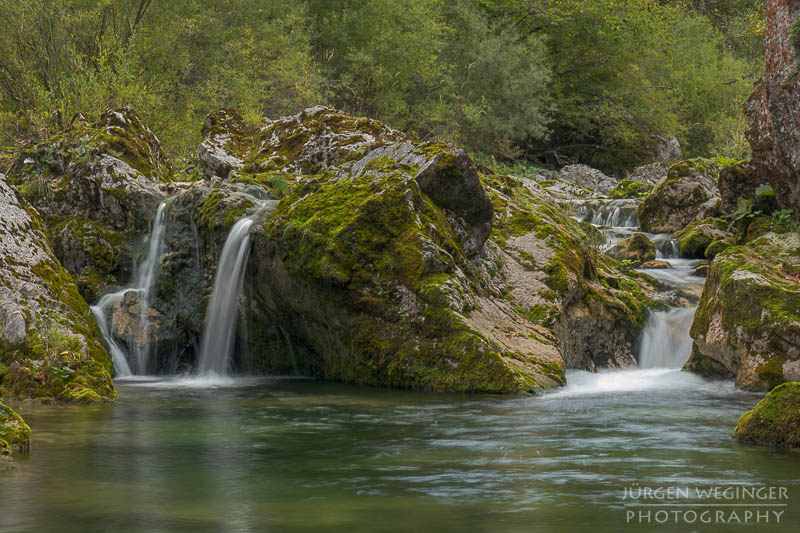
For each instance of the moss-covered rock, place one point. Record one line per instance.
(695, 239)
(49, 344)
(747, 324)
(775, 420)
(378, 265)
(688, 194)
(15, 435)
(96, 187)
(628, 188)
(635, 250)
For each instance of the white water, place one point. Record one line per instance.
(666, 342)
(146, 274)
(144, 285)
(216, 347)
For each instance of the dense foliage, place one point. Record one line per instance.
(551, 81)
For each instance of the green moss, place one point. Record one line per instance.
(13, 430)
(717, 246)
(775, 420)
(631, 189)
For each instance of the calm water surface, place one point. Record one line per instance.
(300, 456)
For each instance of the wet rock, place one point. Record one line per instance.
(774, 123)
(747, 324)
(15, 435)
(696, 238)
(657, 264)
(702, 270)
(636, 249)
(775, 420)
(688, 194)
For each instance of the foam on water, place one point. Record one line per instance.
(581, 382)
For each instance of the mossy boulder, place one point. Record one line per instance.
(391, 262)
(697, 237)
(50, 346)
(628, 188)
(15, 435)
(552, 271)
(635, 250)
(96, 188)
(747, 323)
(688, 194)
(775, 420)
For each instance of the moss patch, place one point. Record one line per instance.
(775, 420)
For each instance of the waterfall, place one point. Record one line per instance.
(144, 284)
(666, 342)
(121, 367)
(216, 347)
(146, 274)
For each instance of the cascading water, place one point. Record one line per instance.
(666, 342)
(146, 274)
(216, 347)
(144, 284)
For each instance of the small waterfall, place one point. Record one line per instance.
(146, 274)
(146, 280)
(121, 367)
(216, 346)
(666, 342)
(608, 213)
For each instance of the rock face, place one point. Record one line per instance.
(637, 248)
(774, 123)
(747, 324)
(775, 421)
(688, 194)
(50, 346)
(96, 188)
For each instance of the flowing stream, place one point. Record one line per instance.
(204, 453)
(136, 362)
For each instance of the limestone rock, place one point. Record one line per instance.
(747, 323)
(96, 195)
(636, 248)
(775, 420)
(657, 264)
(688, 194)
(652, 173)
(588, 177)
(772, 110)
(50, 346)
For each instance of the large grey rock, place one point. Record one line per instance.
(44, 322)
(588, 177)
(747, 324)
(688, 194)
